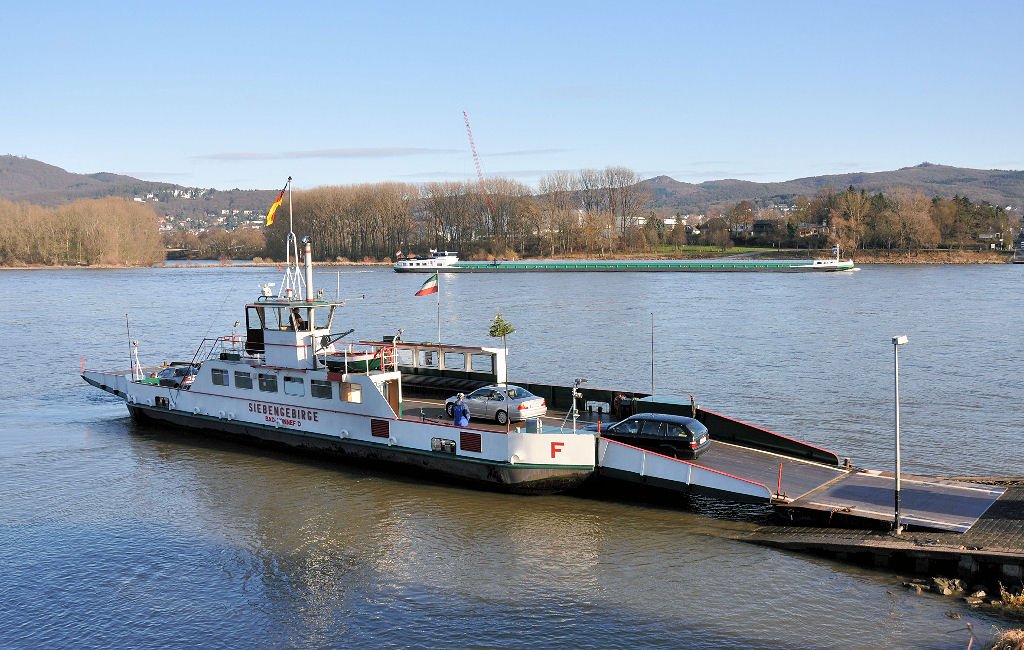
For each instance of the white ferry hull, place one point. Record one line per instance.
(503, 464)
(286, 384)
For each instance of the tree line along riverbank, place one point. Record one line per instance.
(90, 232)
(590, 214)
(864, 257)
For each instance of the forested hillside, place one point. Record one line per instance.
(998, 187)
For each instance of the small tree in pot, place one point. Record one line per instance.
(501, 328)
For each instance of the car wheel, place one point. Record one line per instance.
(449, 408)
(501, 417)
(667, 450)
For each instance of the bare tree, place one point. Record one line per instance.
(912, 223)
(561, 212)
(626, 198)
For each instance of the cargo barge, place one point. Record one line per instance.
(449, 262)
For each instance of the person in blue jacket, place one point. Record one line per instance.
(460, 413)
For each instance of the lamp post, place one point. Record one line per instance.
(897, 341)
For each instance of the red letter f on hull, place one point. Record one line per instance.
(556, 447)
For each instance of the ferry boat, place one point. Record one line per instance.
(289, 383)
(449, 262)
(432, 262)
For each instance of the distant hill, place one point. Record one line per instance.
(24, 179)
(32, 181)
(998, 187)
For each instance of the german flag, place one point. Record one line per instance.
(276, 205)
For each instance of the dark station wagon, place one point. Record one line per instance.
(675, 436)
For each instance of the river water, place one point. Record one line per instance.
(114, 535)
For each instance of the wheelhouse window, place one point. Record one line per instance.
(322, 317)
(294, 386)
(300, 319)
(220, 377)
(349, 392)
(276, 318)
(255, 318)
(243, 379)
(320, 388)
(268, 383)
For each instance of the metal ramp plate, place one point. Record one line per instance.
(925, 502)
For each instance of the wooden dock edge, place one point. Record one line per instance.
(990, 553)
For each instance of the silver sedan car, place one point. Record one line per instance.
(501, 403)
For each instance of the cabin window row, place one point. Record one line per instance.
(478, 362)
(294, 386)
(289, 318)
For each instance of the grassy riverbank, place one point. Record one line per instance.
(933, 257)
(664, 253)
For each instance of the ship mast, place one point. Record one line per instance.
(292, 286)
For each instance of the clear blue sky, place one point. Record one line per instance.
(244, 94)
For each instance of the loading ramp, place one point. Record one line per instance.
(619, 461)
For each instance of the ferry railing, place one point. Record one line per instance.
(216, 347)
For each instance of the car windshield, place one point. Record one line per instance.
(515, 392)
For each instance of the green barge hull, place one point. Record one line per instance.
(573, 266)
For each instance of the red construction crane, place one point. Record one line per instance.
(479, 169)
